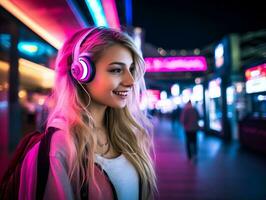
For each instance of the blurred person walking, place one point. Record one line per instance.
(189, 118)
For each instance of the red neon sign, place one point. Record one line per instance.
(176, 64)
(256, 72)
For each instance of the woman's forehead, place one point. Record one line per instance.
(116, 53)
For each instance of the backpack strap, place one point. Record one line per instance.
(84, 194)
(43, 166)
(43, 163)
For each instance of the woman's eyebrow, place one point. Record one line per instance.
(119, 63)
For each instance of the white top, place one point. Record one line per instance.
(123, 176)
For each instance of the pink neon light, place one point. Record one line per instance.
(155, 94)
(176, 64)
(111, 13)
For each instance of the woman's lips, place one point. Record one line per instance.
(121, 93)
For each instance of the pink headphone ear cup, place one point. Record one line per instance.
(83, 70)
(76, 70)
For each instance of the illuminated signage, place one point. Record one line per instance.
(256, 79)
(215, 88)
(176, 64)
(219, 55)
(256, 72)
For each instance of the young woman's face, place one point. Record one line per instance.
(113, 81)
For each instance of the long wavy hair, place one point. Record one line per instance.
(130, 131)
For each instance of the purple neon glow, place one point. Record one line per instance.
(176, 64)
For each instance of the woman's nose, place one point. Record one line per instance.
(128, 79)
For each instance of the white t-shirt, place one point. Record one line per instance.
(123, 176)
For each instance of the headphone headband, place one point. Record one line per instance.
(82, 68)
(77, 46)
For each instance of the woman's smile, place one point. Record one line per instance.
(122, 94)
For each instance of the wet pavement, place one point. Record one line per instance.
(221, 170)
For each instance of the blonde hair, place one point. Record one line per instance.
(130, 131)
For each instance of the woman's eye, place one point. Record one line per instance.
(115, 70)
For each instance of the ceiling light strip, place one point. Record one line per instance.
(14, 10)
(110, 11)
(128, 8)
(79, 16)
(97, 12)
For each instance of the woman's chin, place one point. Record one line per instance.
(119, 105)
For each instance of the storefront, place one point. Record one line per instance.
(252, 128)
(222, 90)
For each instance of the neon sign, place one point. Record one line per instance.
(176, 64)
(256, 79)
(256, 72)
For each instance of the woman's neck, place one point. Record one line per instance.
(98, 111)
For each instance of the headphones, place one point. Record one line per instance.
(82, 68)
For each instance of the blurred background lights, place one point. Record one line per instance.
(177, 100)
(198, 93)
(197, 80)
(28, 48)
(261, 97)
(163, 95)
(183, 52)
(196, 51)
(230, 95)
(22, 94)
(5, 40)
(186, 95)
(172, 52)
(219, 55)
(162, 52)
(137, 37)
(175, 90)
(239, 87)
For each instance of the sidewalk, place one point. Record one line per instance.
(220, 172)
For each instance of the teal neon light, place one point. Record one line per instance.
(97, 12)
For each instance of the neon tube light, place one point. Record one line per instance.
(32, 73)
(14, 10)
(176, 64)
(128, 7)
(28, 48)
(111, 13)
(97, 13)
(80, 18)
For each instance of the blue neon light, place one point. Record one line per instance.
(128, 7)
(79, 16)
(29, 48)
(5, 40)
(97, 12)
(35, 48)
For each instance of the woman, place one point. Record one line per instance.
(99, 77)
